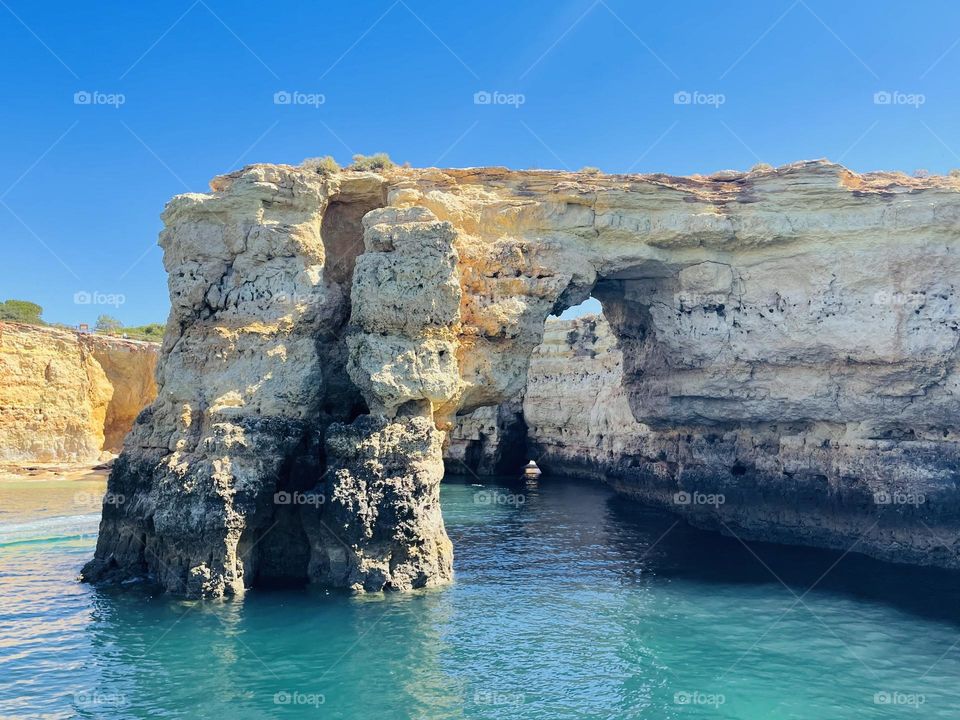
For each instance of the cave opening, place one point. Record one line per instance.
(590, 306)
(341, 231)
(277, 556)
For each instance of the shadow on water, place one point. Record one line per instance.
(653, 544)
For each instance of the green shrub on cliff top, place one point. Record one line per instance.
(321, 165)
(151, 333)
(21, 311)
(377, 161)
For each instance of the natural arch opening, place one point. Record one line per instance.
(590, 306)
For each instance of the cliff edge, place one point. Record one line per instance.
(65, 397)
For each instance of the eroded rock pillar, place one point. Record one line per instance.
(382, 527)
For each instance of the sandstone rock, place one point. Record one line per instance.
(815, 485)
(67, 396)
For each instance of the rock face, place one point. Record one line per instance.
(779, 338)
(579, 422)
(382, 527)
(66, 396)
(488, 441)
(575, 406)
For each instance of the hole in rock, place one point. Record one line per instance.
(590, 306)
(276, 556)
(342, 233)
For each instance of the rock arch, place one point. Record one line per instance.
(759, 307)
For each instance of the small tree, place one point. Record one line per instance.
(21, 311)
(921, 173)
(152, 332)
(108, 324)
(325, 165)
(377, 161)
(762, 167)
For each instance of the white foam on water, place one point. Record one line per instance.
(50, 528)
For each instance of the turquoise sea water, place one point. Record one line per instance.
(569, 603)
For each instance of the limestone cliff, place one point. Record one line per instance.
(67, 396)
(488, 441)
(779, 318)
(578, 422)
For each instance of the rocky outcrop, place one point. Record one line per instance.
(754, 482)
(66, 397)
(488, 441)
(779, 318)
(130, 366)
(382, 527)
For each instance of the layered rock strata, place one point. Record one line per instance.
(321, 323)
(67, 397)
(758, 483)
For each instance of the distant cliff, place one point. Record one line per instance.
(67, 396)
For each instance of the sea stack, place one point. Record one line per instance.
(776, 332)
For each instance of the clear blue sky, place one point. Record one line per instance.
(82, 185)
